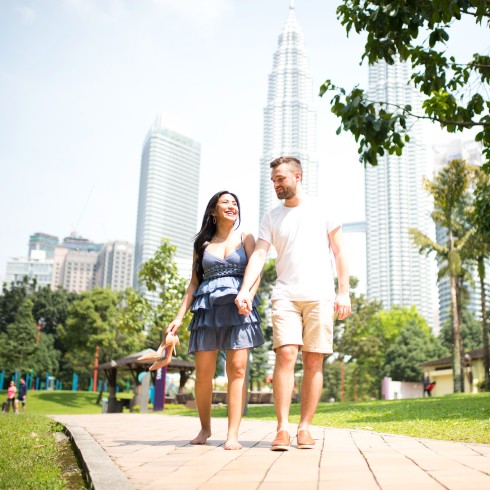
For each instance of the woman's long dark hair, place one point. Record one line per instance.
(208, 229)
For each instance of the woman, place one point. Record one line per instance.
(11, 391)
(220, 257)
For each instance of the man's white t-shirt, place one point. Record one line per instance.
(300, 236)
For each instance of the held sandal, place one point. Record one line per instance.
(170, 342)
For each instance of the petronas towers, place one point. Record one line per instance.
(289, 116)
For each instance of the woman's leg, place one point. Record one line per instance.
(205, 368)
(236, 367)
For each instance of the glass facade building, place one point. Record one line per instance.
(289, 116)
(168, 197)
(397, 274)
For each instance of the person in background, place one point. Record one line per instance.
(11, 391)
(21, 396)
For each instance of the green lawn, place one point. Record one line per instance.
(31, 457)
(464, 418)
(454, 417)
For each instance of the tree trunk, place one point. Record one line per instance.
(456, 337)
(459, 297)
(486, 351)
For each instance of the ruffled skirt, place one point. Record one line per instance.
(216, 323)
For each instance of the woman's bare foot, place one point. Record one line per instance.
(232, 444)
(202, 437)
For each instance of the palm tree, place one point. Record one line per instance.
(450, 192)
(479, 218)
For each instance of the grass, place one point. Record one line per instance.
(32, 457)
(62, 402)
(463, 418)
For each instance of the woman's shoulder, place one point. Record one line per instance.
(245, 235)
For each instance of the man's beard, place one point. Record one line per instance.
(286, 193)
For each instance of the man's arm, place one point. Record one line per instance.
(252, 273)
(342, 301)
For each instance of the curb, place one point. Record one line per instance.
(99, 469)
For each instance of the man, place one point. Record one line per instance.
(303, 299)
(21, 396)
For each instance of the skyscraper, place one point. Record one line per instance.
(396, 201)
(168, 196)
(114, 268)
(289, 116)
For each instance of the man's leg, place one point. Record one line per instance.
(311, 386)
(283, 382)
(311, 389)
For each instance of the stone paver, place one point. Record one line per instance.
(152, 451)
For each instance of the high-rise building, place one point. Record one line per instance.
(37, 266)
(289, 116)
(114, 268)
(471, 152)
(74, 270)
(168, 197)
(80, 244)
(43, 241)
(397, 274)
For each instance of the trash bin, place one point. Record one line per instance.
(105, 404)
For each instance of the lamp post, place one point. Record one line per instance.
(94, 387)
(468, 363)
(40, 325)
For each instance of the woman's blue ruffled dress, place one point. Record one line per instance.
(216, 323)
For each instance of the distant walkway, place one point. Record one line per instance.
(152, 451)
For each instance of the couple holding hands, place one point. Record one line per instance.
(221, 294)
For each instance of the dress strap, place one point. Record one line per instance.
(241, 238)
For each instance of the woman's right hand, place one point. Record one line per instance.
(173, 326)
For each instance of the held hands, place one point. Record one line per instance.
(243, 302)
(342, 306)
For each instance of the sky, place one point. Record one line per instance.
(81, 82)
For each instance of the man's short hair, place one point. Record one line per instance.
(293, 162)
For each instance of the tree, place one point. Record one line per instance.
(19, 346)
(414, 346)
(260, 357)
(161, 276)
(94, 322)
(52, 307)
(470, 333)
(267, 282)
(357, 342)
(12, 298)
(450, 190)
(418, 31)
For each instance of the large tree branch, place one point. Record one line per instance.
(445, 122)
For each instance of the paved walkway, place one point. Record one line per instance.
(152, 451)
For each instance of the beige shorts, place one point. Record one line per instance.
(308, 324)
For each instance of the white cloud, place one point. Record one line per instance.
(198, 12)
(28, 14)
(102, 10)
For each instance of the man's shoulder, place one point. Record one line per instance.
(275, 211)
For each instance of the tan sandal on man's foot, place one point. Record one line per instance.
(282, 442)
(304, 439)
